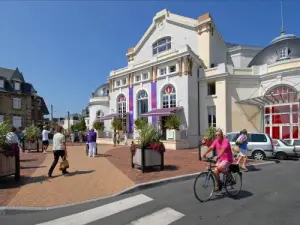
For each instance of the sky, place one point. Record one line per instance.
(66, 49)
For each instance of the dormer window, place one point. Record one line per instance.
(161, 45)
(17, 86)
(283, 53)
(1, 83)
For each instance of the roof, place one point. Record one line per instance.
(102, 91)
(44, 106)
(269, 55)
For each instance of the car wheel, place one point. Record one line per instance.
(281, 156)
(258, 155)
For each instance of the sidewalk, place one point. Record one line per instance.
(108, 173)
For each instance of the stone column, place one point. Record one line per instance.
(179, 66)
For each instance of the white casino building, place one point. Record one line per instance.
(183, 66)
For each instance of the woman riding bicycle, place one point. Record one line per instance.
(224, 156)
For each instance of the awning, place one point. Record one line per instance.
(162, 112)
(109, 117)
(271, 99)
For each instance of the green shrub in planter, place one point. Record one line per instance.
(4, 129)
(117, 124)
(99, 126)
(32, 133)
(211, 133)
(172, 122)
(140, 123)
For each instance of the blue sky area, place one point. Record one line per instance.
(67, 48)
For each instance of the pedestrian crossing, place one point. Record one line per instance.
(163, 216)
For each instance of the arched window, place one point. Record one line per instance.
(121, 106)
(142, 102)
(169, 97)
(282, 93)
(161, 45)
(99, 113)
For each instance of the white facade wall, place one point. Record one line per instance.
(93, 109)
(180, 36)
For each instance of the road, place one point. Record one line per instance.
(270, 196)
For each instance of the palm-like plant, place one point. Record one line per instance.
(32, 133)
(4, 129)
(140, 123)
(99, 126)
(117, 124)
(172, 122)
(148, 135)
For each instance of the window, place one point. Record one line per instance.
(118, 83)
(99, 113)
(17, 86)
(142, 100)
(211, 88)
(1, 83)
(145, 76)
(17, 121)
(288, 141)
(276, 143)
(163, 71)
(137, 78)
(124, 81)
(161, 45)
(282, 53)
(169, 97)
(232, 137)
(297, 142)
(211, 112)
(172, 69)
(17, 104)
(1, 119)
(121, 106)
(258, 138)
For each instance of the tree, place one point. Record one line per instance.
(99, 126)
(80, 126)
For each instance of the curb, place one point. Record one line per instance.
(11, 210)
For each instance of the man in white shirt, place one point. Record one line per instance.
(59, 150)
(45, 139)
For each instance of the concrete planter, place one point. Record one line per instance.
(10, 165)
(173, 135)
(147, 158)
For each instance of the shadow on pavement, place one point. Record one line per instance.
(252, 168)
(103, 155)
(243, 194)
(31, 167)
(157, 168)
(79, 172)
(28, 160)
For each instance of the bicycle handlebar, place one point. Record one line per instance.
(211, 160)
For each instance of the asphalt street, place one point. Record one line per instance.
(270, 196)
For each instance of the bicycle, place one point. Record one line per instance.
(228, 181)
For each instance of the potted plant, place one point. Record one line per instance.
(117, 125)
(172, 126)
(32, 135)
(9, 155)
(139, 124)
(98, 126)
(210, 135)
(149, 151)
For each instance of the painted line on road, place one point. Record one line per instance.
(101, 212)
(138, 187)
(162, 217)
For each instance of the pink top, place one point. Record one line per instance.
(219, 145)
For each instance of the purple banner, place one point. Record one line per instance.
(130, 110)
(153, 101)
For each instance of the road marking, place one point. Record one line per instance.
(100, 212)
(161, 217)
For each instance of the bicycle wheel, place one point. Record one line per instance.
(204, 186)
(234, 184)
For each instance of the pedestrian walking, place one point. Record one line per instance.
(59, 150)
(115, 138)
(92, 137)
(45, 139)
(242, 143)
(125, 137)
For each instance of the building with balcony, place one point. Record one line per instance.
(183, 66)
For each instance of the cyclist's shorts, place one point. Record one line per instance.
(224, 164)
